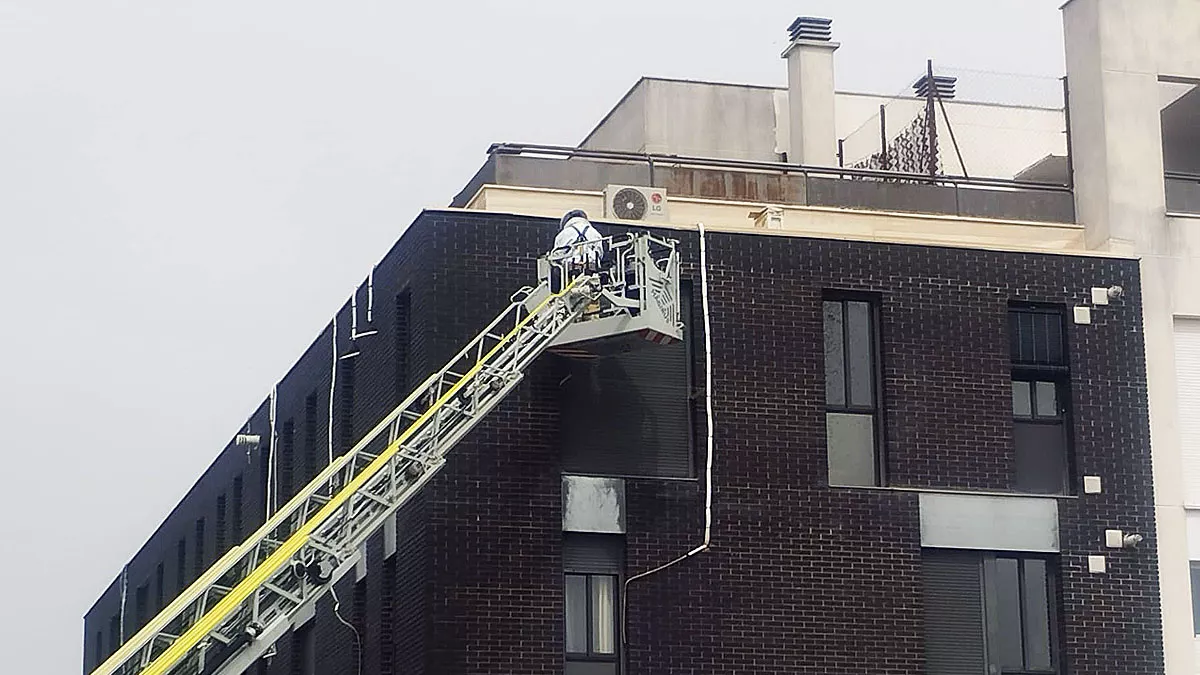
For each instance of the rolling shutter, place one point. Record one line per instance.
(594, 553)
(954, 628)
(629, 414)
(1187, 369)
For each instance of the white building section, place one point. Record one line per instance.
(1132, 67)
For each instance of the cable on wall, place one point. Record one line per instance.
(708, 464)
(337, 606)
(332, 389)
(272, 470)
(124, 593)
(370, 293)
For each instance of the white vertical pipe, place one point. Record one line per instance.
(370, 294)
(124, 594)
(708, 410)
(708, 391)
(272, 471)
(332, 389)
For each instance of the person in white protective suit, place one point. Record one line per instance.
(578, 243)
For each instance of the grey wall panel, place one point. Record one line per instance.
(997, 523)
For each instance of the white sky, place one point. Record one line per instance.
(189, 189)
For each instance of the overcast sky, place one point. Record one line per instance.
(189, 189)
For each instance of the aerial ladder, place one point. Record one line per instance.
(236, 611)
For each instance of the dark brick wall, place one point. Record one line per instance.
(801, 577)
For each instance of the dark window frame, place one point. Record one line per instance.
(198, 551)
(1058, 373)
(387, 612)
(310, 436)
(160, 587)
(347, 383)
(591, 654)
(358, 618)
(304, 661)
(695, 414)
(985, 567)
(265, 473)
(181, 579)
(236, 524)
(114, 634)
(221, 528)
(1194, 578)
(593, 556)
(402, 345)
(1052, 608)
(1038, 309)
(285, 465)
(876, 409)
(141, 606)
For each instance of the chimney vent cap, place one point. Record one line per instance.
(811, 28)
(943, 86)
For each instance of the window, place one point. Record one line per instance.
(988, 612)
(359, 619)
(310, 436)
(265, 473)
(591, 616)
(114, 634)
(1178, 97)
(98, 649)
(630, 414)
(592, 564)
(141, 605)
(387, 617)
(160, 587)
(287, 461)
(346, 408)
(236, 525)
(199, 550)
(181, 577)
(1018, 602)
(221, 509)
(1195, 597)
(852, 419)
(401, 333)
(1039, 401)
(304, 652)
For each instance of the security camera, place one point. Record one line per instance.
(1115, 291)
(1131, 540)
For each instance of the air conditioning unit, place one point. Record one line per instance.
(628, 202)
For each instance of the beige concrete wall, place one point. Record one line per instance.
(1116, 52)
(806, 221)
(748, 122)
(693, 118)
(624, 128)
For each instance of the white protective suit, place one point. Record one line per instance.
(578, 230)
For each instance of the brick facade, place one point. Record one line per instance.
(801, 577)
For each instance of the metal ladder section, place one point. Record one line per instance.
(239, 607)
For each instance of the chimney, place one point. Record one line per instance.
(812, 135)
